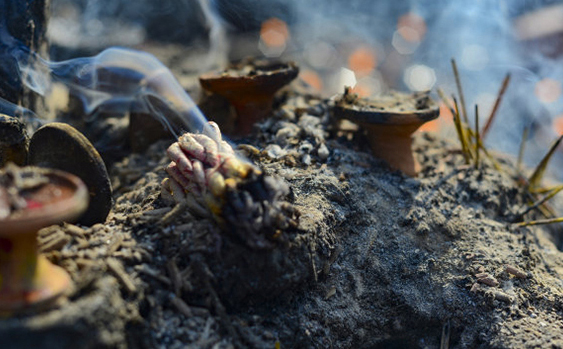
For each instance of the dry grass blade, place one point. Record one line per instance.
(477, 138)
(446, 101)
(490, 157)
(457, 122)
(484, 150)
(545, 210)
(537, 176)
(552, 193)
(540, 222)
(546, 189)
(460, 91)
(461, 133)
(522, 148)
(495, 107)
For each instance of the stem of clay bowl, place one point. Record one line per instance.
(251, 111)
(28, 280)
(393, 143)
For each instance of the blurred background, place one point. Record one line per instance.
(370, 45)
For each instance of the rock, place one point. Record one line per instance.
(61, 146)
(323, 152)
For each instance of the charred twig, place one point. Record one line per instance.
(460, 91)
(175, 277)
(119, 271)
(445, 339)
(180, 305)
(203, 273)
(146, 270)
(537, 176)
(487, 279)
(176, 211)
(495, 107)
(519, 273)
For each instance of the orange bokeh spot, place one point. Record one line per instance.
(411, 27)
(274, 32)
(444, 120)
(548, 90)
(362, 61)
(558, 124)
(312, 79)
(363, 90)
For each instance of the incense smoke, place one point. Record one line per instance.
(117, 79)
(113, 80)
(479, 34)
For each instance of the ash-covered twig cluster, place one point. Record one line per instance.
(207, 176)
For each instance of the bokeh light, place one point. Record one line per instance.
(558, 124)
(346, 78)
(362, 61)
(320, 55)
(274, 35)
(312, 79)
(369, 86)
(440, 124)
(548, 90)
(419, 77)
(411, 29)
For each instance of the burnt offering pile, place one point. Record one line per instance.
(207, 176)
(334, 222)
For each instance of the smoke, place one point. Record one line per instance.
(218, 43)
(117, 79)
(414, 41)
(411, 43)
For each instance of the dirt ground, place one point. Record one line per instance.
(380, 260)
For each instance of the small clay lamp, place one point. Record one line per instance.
(250, 87)
(389, 121)
(28, 280)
